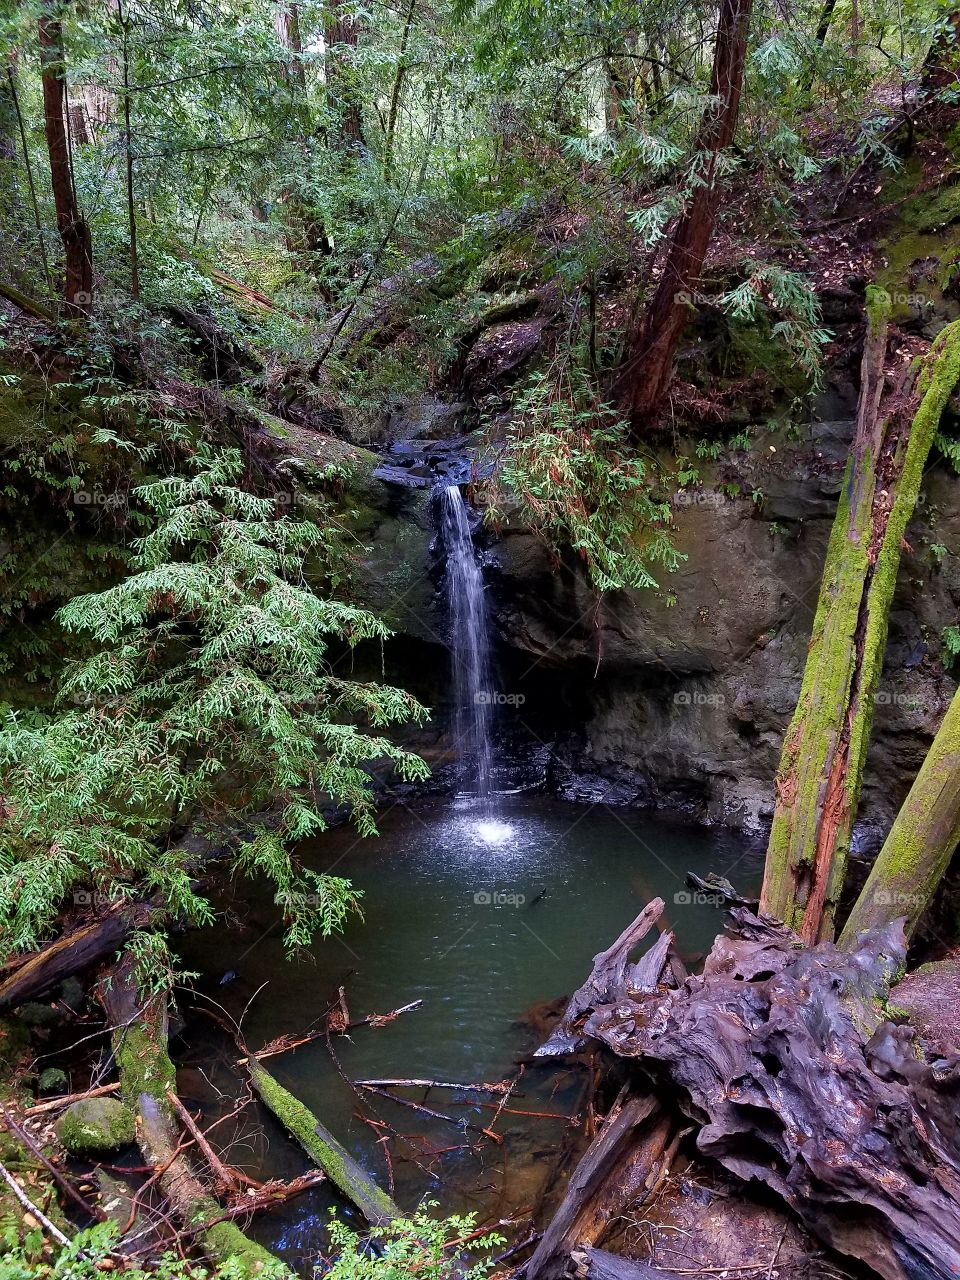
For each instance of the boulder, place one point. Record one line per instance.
(96, 1126)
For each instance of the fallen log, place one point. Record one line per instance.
(611, 973)
(72, 953)
(623, 1165)
(598, 1264)
(146, 1073)
(782, 1055)
(457, 1122)
(323, 1148)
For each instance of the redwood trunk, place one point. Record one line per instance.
(340, 36)
(73, 228)
(643, 380)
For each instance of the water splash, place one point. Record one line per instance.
(469, 642)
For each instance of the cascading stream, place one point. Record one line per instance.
(469, 642)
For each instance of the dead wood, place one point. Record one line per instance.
(783, 1057)
(66, 1099)
(323, 1148)
(501, 1087)
(623, 1165)
(71, 953)
(597, 1264)
(611, 973)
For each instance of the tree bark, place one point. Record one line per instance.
(73, 228)
(642, 382)
(920, 844)
(624, 1165)
(785, 1062)
(71, 954)
(343, 100)
(821, 765)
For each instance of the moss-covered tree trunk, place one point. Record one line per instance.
(821, 765)
(921, 842)
(139, 1026)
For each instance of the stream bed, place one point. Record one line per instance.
(482, 918)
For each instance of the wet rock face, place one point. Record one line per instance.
(680, 699)
(684, 704)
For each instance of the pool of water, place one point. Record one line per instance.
(480, 918)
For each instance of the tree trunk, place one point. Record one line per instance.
(645, 375)
(821, 764)
(920, 844)
(784, 1061)
(139, 1025)
(73, 228)
(124, 19)
(389, 142)
(305, 232)
(343, 99)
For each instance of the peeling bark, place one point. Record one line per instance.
(624, 1165)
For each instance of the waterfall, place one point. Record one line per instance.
(469, 640)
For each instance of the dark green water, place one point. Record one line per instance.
(479, 922)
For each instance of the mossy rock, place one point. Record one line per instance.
(96, 1126)
(53, 1080)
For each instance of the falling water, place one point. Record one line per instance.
(469, 640)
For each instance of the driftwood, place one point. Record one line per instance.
(323, 1148)
(611, 973)
(71, 953)
(624, 1164)
(782, 1055)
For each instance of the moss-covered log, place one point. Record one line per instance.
(821, 766)
(921, 842)
(146, 1073)
(323, 1148)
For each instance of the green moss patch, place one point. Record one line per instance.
(96, 1126)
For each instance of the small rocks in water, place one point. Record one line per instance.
(228, 977)
(94, 1126)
